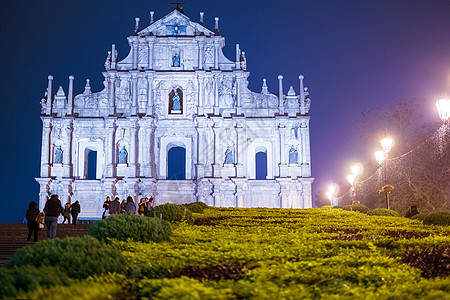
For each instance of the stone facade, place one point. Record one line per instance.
(176, 90)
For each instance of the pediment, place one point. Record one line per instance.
(174, 24)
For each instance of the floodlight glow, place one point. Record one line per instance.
(380, 156)
(355, 170)
(386, 144)
(332, 189)
(443, 107)
(351, 179)
(329, 196)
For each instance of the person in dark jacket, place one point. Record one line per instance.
(123, 205)
(143, 208)
(114, 207)
(52, 209)
(106, 207)
(131, 207)
(31, 215)
(75, 209)
(66, 213)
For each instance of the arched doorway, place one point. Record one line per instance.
(90, 169)
(261, 163)
(176, 163)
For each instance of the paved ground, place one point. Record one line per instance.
(14, 236)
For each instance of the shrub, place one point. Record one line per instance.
(357, 207)
(130, 226)
(196, 207)
(419, 217)
(172, 213)
(338, 206)
(78, 257)
(383, 212)
(439, 218)
(27, 278)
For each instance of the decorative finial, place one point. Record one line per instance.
(201, 17)
(265, 89)
(280, 77)
(151, 17)
(60, 91)
(87, 88)
(291, 91)
(216, 26)
(50, 77)
(136, 26)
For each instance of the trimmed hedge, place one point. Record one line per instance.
(172, 213)
(420, 217)
(77, 257)
(196, 207)
(357, 207)
(439, 218)
(131, 226)
(383, 212)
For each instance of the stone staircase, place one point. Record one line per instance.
(14, 236)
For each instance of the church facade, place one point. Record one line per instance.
(176, 122)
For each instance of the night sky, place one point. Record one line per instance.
(355, 55)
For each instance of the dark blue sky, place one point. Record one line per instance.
(355, 55)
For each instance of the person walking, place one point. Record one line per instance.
(115, 207)
(131, 207)
(75, 209)
(33, 225)
(66, 213)
(52, 209)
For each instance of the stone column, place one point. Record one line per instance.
(306, 168)
(132, 168)
(280, 95)
(216, 93)
(110, 147)
(70, 96)
(135, 46)
(201, 49)
(48, 108)
(240, 150)
(67, 163)
(146, 169)
(216, 54)
(238, 94)
(45, 150)
(134, 78)
(150, 40)
(201, 150)
(217, 164)
(201, 92)
(112, 94)
(150, 77)
(283, 166)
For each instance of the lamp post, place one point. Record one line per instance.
(443, 107)
(356, 169)
(330, 193)
(381, 157)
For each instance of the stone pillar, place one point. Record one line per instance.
(70, 96)
(110, 148)
(132, 168)
(201, 92)
(240, 150)
(48, 110)
(201, 150)
(283, 154)
(216, 93)
(280, 95)
(112, 94)
(150, 40)
(238, 94)
(145, 146)
(45, 150)
(306, 171)
(150, 77)
(201, 49)
(135, 46)
(216, 54)
(134, 79)
(67, 162)
(217, 164)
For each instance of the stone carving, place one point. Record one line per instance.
(229, 156)
(142, 56)
(225, 96)
(176, 60)
(123, 155)
(208, 58)
(176, 102)
(293, 155)
(58, 155)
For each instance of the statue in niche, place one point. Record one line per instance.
(229, 156)
(58, 155)
(176, 60)
(123, 155)
(293, 155)
(176, 101)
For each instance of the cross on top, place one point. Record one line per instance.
(178, 7)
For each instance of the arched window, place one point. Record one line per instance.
(176, 101)
(176, 163)
(90, 168)
(261, 163)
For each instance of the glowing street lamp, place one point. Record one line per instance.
(351, 179)
(381, 157)
(331, 192)
(356, 170)
(443, 107)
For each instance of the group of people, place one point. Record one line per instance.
(52, 210)
(127, 206)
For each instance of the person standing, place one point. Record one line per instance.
(123, 206)
(33, 225)
(52, 209)
(75, 209)
(115, 207)
(143, 208)
(131, 207)
(106, 206)
(66, 213)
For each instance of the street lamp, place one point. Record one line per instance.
(443, 107)
(356, 170)
(331, 192)
(381, 157)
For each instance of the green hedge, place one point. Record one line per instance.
(420, 217)
(383, 212)
(172, 213)
(357, 207)
(77, 257)
(131, 226)
(196, 207)
(439, 218)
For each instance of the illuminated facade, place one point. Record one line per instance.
(176, 99)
